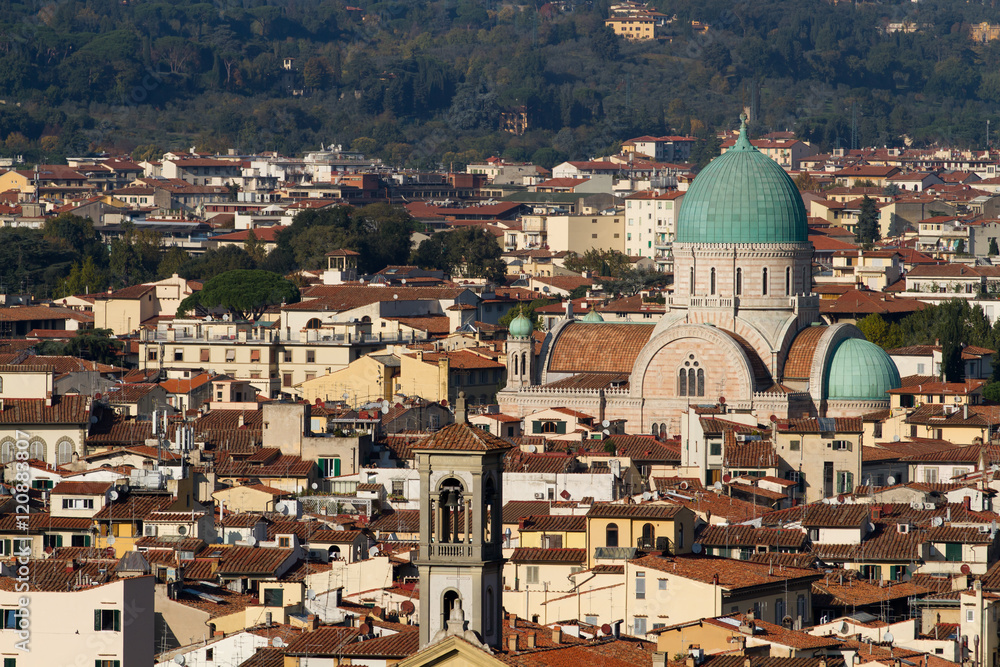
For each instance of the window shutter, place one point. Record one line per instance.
(560, 427)
(118, 620)
(850, 483)
(97, 620)
(536, 427)
(59, 540)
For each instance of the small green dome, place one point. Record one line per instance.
(860, 371)
(521, 327)
(742, 196)
(592, 316)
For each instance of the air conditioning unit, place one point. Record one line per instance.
(929, 506)
(539, 496)
(149, 531)
(741, 437)
(984, 529)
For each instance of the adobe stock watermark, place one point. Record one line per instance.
(22, 552)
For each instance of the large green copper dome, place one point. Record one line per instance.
(860, 371)
(742, 196)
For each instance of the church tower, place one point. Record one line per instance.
(520, 348)
(460, 559)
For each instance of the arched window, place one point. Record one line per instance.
(314, 323)
(334, 552)
(489, 509)
(524, 363)
(692, 382)
(663, 431)
(488, 612)
(516, 359)
(448, 603)
(36, 450)
(64, 452)
(764, 281)
(692, 280)
(701, 382)
(682, 382)
(788, 281)
(7, 451)
(656, 429)
(451, 502)
(648, 536)
(806, 282)
(712, 283)
(611, 535)
(367, 319)
(739, 281)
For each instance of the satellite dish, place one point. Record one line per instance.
(727, 478)
(111, 541)
(646, 495)
(113, 495)
(722, 400)
(891, 481)
(315, 485)
(606, 431)
(277, 642)
(318, 401)
(937, 522)
(717, 486)
(888, 637)
(696, 548)
(182, 530)
(840, 499)
(407, 607)
(385, 405)
(532, 449)
(179, 659)
(98, 396)
(684, 486)
(93, 419)
(310, 594)
(365, 629)
(966, 569)
(373, 552)
(605, 629)
(844, 628)
(252, 541)
(377, 611)
(284, 510)
(605, 423)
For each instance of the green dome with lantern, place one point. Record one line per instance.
(742, 197)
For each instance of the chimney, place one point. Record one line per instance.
(557, 635)
(747, 662)
(71, 565)
(965, 411)
(512, 643)
(659, 659)
(967, 503)
(689, 661)
(822, 662)
(460, 415)
(569, 308)
(531, 640)
(513, 621)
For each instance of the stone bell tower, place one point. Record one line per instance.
(460, 559)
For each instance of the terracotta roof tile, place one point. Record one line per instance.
(736, 536)
(732, 574)
(253, 560)
(531, 555)
(652, 510)
(604, 347)
(555, 523)
(798, 364)
(462, 437)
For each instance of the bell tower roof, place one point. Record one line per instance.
(462, 437)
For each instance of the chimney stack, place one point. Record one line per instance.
(557, 635)
(531, 640)
(513, 621)
(512, 643)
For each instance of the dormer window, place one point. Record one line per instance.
(284, 542)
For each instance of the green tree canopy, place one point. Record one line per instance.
(468, 251)
(245, 294)
(868, 227)
(600, 262)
